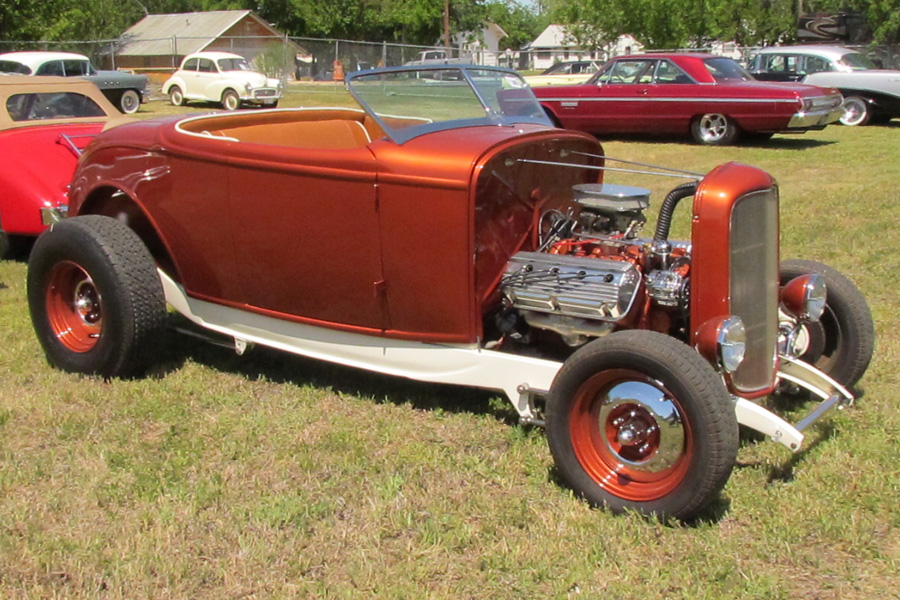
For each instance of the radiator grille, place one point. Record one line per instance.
(754, 285)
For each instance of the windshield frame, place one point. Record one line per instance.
(492, 113)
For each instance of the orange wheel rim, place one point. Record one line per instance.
(74, 307)
(630, 435)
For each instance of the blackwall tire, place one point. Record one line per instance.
(5, 243)
(176, 96)
(230, 100)
(129, 102)
(714, 129)
(96, 301)
(856, 111)
(843, 341)
(639, 421)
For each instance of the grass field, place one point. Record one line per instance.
(270, 476)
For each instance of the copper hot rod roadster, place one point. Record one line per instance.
(448, 233)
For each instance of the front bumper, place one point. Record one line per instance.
(265, 95)
(806, 376)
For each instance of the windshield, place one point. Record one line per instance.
(233, 64)
(857, 62)
(408, 101)
(726, 69)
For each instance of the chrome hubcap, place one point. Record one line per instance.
(713, 127)
(644, 429)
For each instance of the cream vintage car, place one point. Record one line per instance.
(221, 77)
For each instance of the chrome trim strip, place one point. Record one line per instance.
(568, 101)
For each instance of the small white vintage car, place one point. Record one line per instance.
(221, 77)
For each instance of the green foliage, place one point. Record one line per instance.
(656, 23)
(520, 24)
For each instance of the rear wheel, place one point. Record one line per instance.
(176, 96)
(129, 102)
(714, 129)
(230, 100)
(96, 300)
(842, 341)
(856, 111)
(639, 421)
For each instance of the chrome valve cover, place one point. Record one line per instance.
(571, 286)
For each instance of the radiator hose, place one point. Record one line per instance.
(664, 221)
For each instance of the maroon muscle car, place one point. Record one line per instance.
(449, 233)
(711, 97)
(44, 124)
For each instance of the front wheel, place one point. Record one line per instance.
(842, 341)
(96, 300)
(639, 421)
(129, 102)
(176, 96)
(230, 100)
(714, 130)
(856, 111)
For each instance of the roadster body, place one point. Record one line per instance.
(447, 232)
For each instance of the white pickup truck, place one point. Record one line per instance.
(438, 57)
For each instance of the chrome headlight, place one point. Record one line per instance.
(723, 342)
(804, 297)
(731, 342)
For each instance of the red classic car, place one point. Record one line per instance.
(448, 233)
(44, 124)
(711, 97)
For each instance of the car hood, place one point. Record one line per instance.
(252, 77)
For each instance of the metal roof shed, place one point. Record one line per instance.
(159, 42)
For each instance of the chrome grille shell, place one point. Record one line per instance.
(753, 285)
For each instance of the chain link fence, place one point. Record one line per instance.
(322, 59)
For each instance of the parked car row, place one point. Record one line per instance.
(709, 97)
(125, 90)
(716, 100)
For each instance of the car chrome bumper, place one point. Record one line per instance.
(815, 119)
(53, 214)
(831, 393)
(265, 95)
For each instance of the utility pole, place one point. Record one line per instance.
(447, 24)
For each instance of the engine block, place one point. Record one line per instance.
(571, 286)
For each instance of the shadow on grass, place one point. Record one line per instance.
(283, 367)
(711, 514)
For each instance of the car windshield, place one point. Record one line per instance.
(11, 66)
(233, 64)
(409, 101)
(857, 62)
(726, 69)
